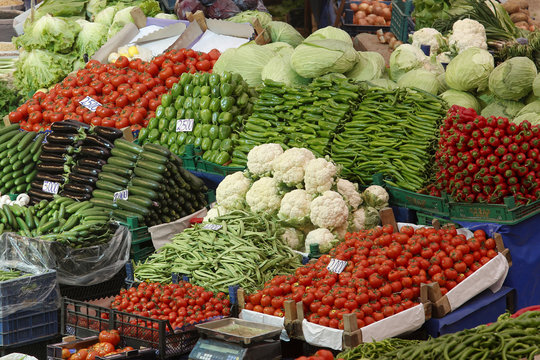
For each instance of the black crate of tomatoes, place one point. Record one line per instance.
(367, 16)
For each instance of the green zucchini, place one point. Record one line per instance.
(129, 206)
(116, 170)
(157, 149)
(121, 162)
(150, 156)
(26, 140)
(113, 178)
(124, 154)
(105, 185)
(141, 201)
(102, 202)
(123, 215)
(103, 194)
(142, 182)
(128, 146)
(140, 191)
(38, 142)
(148, 174)
(149, 165)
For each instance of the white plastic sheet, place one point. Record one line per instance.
(163, 233)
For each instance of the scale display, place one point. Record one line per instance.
(207, 349)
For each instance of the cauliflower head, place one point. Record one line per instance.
(294, 208)
(350, 193)
(293, 238)
(215, 212)
(261, 157)
(319, 176)
(321, 236)
(289, 167)
(231, 192)
(376, 196)
(364, 218)
(264, 197)
(428, 36)
(329, 210)
(468, 33)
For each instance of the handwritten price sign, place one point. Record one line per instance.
(122, 194)
(50, 187)
(184, 125)
(337, 266)
(89, 103)
(214, 227)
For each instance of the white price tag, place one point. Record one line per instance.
(337, 266)
(89, 103)
(184, 125)
(122, 194)
(50, 187)
(214, 227)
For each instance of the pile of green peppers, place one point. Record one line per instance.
(306, 117)
(218, 104)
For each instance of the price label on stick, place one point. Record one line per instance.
(214, 227)
(337, 266)
(184, 125)
(90, 103)
(122, 194)
(50, 187)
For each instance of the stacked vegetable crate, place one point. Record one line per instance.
(354, 29)
(402, 24)
(141, 240)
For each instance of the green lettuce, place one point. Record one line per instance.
(106, 15)
(51, 33)
(121, 18)
(249, 16)
(91, 38)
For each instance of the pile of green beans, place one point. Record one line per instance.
(6, 275)
(246, 251)
(393, 132)
(373, 350)
(507, 339)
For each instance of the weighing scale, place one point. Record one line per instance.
(236, 339)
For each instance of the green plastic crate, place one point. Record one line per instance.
(137, 232)
(141, 249)
(211, 196)
(420, 202)
(401, 23)
(191, 157)
(508, 213)
(211, 168)
(427, 219)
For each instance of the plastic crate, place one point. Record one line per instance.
(508, 213)
(353, 29)
(137, 232)
(402, 24)
(421, 202)
(427, 219)
(104, 289)
(142, 249)
(26, 326)
(211, 196)
(190, 157)
(211, 168)
(36, 348)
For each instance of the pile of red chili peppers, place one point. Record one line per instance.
(486, 160)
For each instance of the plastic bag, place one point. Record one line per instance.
(37, 290)
(182, 7)
(80, 267)
(246, 4)
(17, 356)
(222, 9)
(163, 233)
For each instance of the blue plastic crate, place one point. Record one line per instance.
(30, 325)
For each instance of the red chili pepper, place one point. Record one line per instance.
(493, 141)
(502, 123)
(512, 129)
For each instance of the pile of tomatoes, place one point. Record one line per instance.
(108, 340)
(383, 274)
(319, 355)
(129, 91)
(181, 304)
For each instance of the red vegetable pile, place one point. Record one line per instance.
(182, 304)
(382, 277)
(486, 160)
(129, 91)
(319, 355)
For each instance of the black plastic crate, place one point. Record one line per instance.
(36, 348)
(354, 29)
(105, 289)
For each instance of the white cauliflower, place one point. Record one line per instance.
(376, 196)
(468, 33)
(293, 238)
(260, 158)
(329, 210)
(215, 212)
(231, 192)
(294, 208)
(321, 236)
(350, 193)
(264, 197)
(319, 176)
(289, 167)
(364, 218)
(428, 36)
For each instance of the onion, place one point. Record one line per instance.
(363, 7)
(388, 36)
(386, 14)
(379, 20)
(354, 6)
(370, 21)
(370, 9)
(377, 10)
(363, 22)
(397, 43)
(360, 15)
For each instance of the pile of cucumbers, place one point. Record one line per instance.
(19, 152)
(218, 104)
(64, 220)
(159, 189)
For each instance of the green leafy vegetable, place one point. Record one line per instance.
(91, 38)
(150, 7)
(282, 32)
(314, 58)
(470, 70)
(504, 108)
(279, 69)
(51, 33)
(94, 7)
(370, 65)
(404, 59)
(330, 33)
(513, 79)
(61, 8)
(121, 18)
(421, 79)
(106, 15)
(250, 16)
(460, 98)
(9, 100)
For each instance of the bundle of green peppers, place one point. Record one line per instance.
(218, 104)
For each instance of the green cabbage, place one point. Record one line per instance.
(404, 59)
(282, 32)
(330, 33)
(504, 108)
(443, 86)
(166, 16)
(51, 33)
(314, 58)
(280, 47)
(250, 16)
(469, 70)
(536, 85)
(370, 65)
(529, 99)
(460, 98)
(485, 98)
(421, 79)
(533, 118)
(279, 69)
(533, 107)
(248, 60)
(60, 8)
(91, 38)
(121, 18)
(513, 79)
(383, 83)
(106, 15)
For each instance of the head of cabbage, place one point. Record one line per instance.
(504, 108)
(370, 65)
(513, 79)
(121, 18)
(249, 16)
(330, 33)
(469, 70)
(382, 83)
(280, 47)
(282, 32)
(533, 107)
(421, 79)
(533, 118)
(460, 98)
(92, 36)
(404, 59)
(279, 69)
(315, 58)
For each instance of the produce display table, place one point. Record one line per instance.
(482, 309)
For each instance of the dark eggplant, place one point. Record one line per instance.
(77, 123)
(83, 179)
(41, 176)
(66, 127)
(96, 140)
(62, 138)
(38, 195)
(37, 184)
(78, 188)
(57, 149)
(54, 158)
(51, 168)
(76, 196)
(92, 163)
(85, 171)
(108, 133)
(95, 151)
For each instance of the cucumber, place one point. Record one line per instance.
(157, 149)
(113, 178)
(26, 140)
(5, 160)
(30, 177)
(150, 156)
(128, 146)
(129, 206)
(141, 201)
(117, 170)
(28, 168)
(17, 174)
(101, 202)
(124, 154)
(48, 226)
(121, 162)
(15, 140)
(103, 194)
(9, 128)
(142, 182)
(149, 165)
(105, 185)
(38, 142)
(148, 174)
(140, 191)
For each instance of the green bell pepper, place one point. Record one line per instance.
(206, 116)
(189, 114)
(222, 157)
(226, 77)
(215, 92)
(160, 111)
(226, 145)
(185, 79)
(164, 138)
(225, 90)
(215, 104)
(198, 141)
(174, 149)
(179, 102)
(205, 102)
(216, 144)
(172, 126)
(166, 100)
(206, 90)
(153, 135)
(196, 91)
(205, 132)
(215, 117)
(188, 102)
(172, 139)
(190, 139)
(170, 112)
(224, 132)
(181, 150)
(227, 103)
(214, 80)
(163, 124)
(188, 89)
(197, 130)
(176, 91)
(206, 144)
(153, 123)
(213, 132)
(180, 114)
(142, 135)
(242, 100)
(225, 118)
(196, 103)
(203, 79)
(181, 138)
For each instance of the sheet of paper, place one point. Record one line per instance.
(211, 40)
(157, 47)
